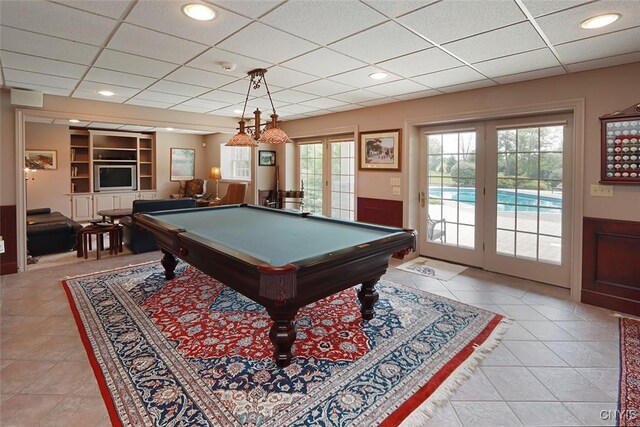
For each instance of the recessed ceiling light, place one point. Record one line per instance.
(198, 11)
(378, 76)
(106, 93)
(170, 129)
(237, 111)
(74, 121)
(600, 21)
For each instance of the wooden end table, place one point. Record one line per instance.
(84, 239)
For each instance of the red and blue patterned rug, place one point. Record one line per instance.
(629, 390)
(192, 352)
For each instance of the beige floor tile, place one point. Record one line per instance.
(66, 377)
(534, 353)
(517, 384)
(485, 414)
(19, 374)
(28, 410)
(568, 385)
(543, 414)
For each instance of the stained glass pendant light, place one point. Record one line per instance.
(271, 134)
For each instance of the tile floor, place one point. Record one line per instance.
(557, 364)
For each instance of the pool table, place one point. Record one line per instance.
(280, 259)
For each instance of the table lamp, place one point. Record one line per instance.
(215, 174)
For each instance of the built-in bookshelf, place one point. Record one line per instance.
(94, 147)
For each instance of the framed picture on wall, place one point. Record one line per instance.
(266, 158)
(380, 150)
(183, 164)
(41, 159)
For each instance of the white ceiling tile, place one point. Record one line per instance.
(399, 87)
(94, 87)
(103, 125)
(395, 8)
(40, 88)
(324, 103)
(360, 77)
(226, 112)
(544, 7)
(346, 107)
(39, 79)
(531, 75)
(297, 109)
(450, 20)
(564, 26)
(281, 46)
(223, 96)
(205, 103)
(323, 62)
(518, 63)
(324, 87)
(324, 21)
(18, 61)
(212, 60)
(100, 75)
(285, 77)
(627, 41)
(467, 86)
(200, 77)
(125, 62)
(494, 44)
(240, 87)
(97, 97)
(47, 47)
(250, 8)
(380, 101)
(111, 8)
(604, 62)
(356, 96)
(147, 103)
(151, 44)
(175, 88)
(426, 61)
(292, 96)
(56, 20)
(190, 108)
(382, 42)
(161, 97)
(416, 95)
(167, 16)
(264, 104)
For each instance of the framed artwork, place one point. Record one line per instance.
(380, 150)
(41, 159)
(266, 158)
(183, 164)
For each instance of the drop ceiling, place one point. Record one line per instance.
(318, 53)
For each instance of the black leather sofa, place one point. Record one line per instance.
(140, 240)
(50, 232)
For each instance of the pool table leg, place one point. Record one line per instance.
(368, 298)
(169, 263)
(282, 335)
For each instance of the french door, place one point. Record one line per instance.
(326, 166)
(497, 195)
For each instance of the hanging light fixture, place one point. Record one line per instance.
(271, 134)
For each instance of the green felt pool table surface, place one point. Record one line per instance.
(274, 236)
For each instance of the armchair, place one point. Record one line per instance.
(436, 229)
(235, 194)
(193, 189)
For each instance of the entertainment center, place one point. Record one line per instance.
(109, 170)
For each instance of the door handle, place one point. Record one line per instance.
(423, 198)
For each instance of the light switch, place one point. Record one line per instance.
(395, 181)
(395, 191)
(601, 190)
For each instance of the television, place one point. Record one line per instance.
(114, 178)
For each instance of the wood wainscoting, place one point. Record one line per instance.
(9, 259)
(611, 264)
(379, 211)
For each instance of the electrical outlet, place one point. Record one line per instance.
(598, 190)
(1, 245)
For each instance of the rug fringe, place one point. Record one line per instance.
(109, 270)
(422, 414)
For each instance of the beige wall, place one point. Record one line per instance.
(164, 143)
(49, 188)
(604, 91)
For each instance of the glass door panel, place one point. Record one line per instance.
(310, 163)
(342, 179)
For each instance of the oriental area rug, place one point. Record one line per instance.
(193, 352)
(629, 390)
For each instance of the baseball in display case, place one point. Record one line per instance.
(621, 146)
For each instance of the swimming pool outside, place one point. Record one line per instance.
(525, 200)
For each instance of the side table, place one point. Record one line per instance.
(84, 239)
